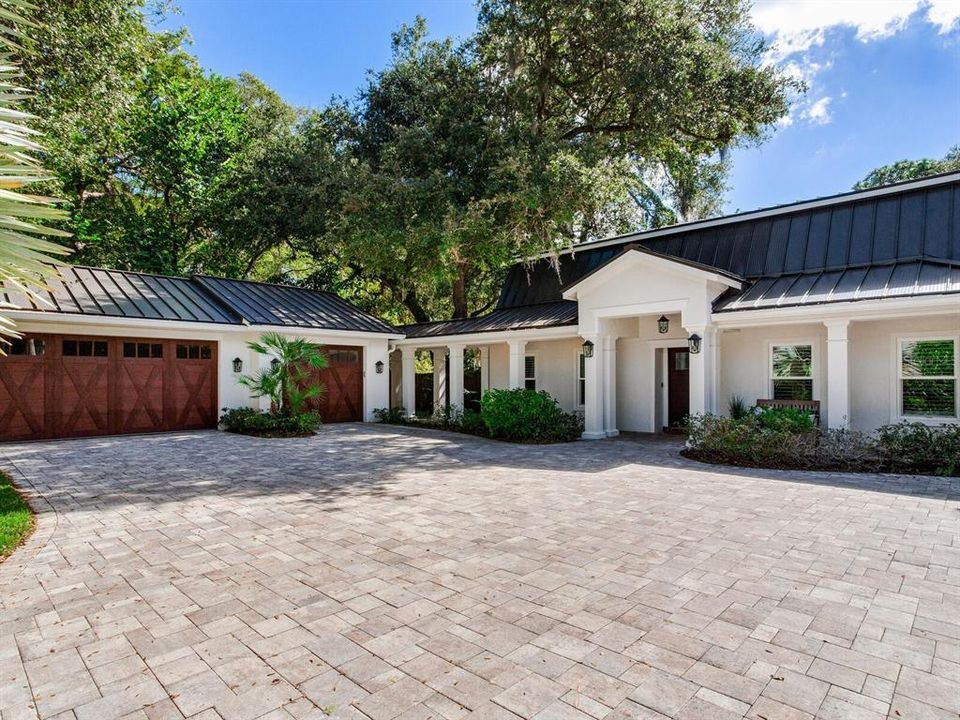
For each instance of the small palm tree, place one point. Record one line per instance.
(286, 381)
(24, 251)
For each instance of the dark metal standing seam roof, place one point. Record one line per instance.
(863, 245)
(97, 292)
(529, 316)
(118, 293)
(284, 305)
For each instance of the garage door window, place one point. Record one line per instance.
(85, 348)
(142, 350)
(26, 346)
(194, 351)
(343, 356)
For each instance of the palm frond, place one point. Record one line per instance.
(24, 253)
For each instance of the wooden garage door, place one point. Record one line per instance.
(342, 400)
(68, 386)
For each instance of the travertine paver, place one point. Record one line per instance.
(384, 573)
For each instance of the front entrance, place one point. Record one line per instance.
(678, 385)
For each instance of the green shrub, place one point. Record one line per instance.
(391, 416)
(473, 423)
(738, 407)
(249, 421)
(785, 418)
(918, 448)
(523, 415)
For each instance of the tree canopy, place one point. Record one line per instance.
(902, 170)
(556, 122)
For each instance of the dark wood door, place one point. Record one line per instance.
(68, 386)
(342, 398)
(678, 385)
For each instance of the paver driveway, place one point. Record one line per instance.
(384, 573)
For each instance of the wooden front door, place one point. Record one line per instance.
(678, 385)
(54, 386)
(342, 398)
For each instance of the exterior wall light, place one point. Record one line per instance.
(237, 365)
(694, 342)
(588, 349)
(275, 363)
(379, 367)
(663, 325)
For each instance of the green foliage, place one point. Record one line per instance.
(249, 421)
(787, 419)
(903, 448)
(473, 423)
(391, 416)
(903, 170)
(25, 243)
(738, 408)
(918, 448)
(287, 381)
(522, 415)
(16, 520)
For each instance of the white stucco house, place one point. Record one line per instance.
(851, 302)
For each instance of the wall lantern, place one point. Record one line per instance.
(275, 363)
(588, 349)
(663, 325)
(694, 342)
(237, 365)
(379, 367)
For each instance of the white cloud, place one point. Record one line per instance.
(798, 25)
(819, 112)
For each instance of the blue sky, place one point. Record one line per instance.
(883, 75)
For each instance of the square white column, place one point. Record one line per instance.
(609, 343)
(838, 375)
(455, 376)
(439, 377)
(702, 371)
(483, 357)
(593, 417)
(517, 350)
(408, 380)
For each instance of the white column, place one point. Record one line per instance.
(593, 419)
(455, 378)
(702, 377)
(483, 357)
(838, 375)
(517, 350)
(610, 386)
(408, 380)
(439, 377)
(712, 339)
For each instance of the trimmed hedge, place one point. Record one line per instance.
(249, 421)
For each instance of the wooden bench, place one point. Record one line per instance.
(809, 406)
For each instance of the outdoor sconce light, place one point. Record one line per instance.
(588, 349)
(694, 342)
(663, 325)
(237, 365)
(275, 363)
(379, 367)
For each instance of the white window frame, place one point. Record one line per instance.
(814, 344)
(536, 370)
(897, 414)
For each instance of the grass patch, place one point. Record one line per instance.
(16, 520)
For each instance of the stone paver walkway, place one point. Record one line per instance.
(385, 573)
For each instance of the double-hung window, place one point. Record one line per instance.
(927, 377)
(791, 371)
(530, 372)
